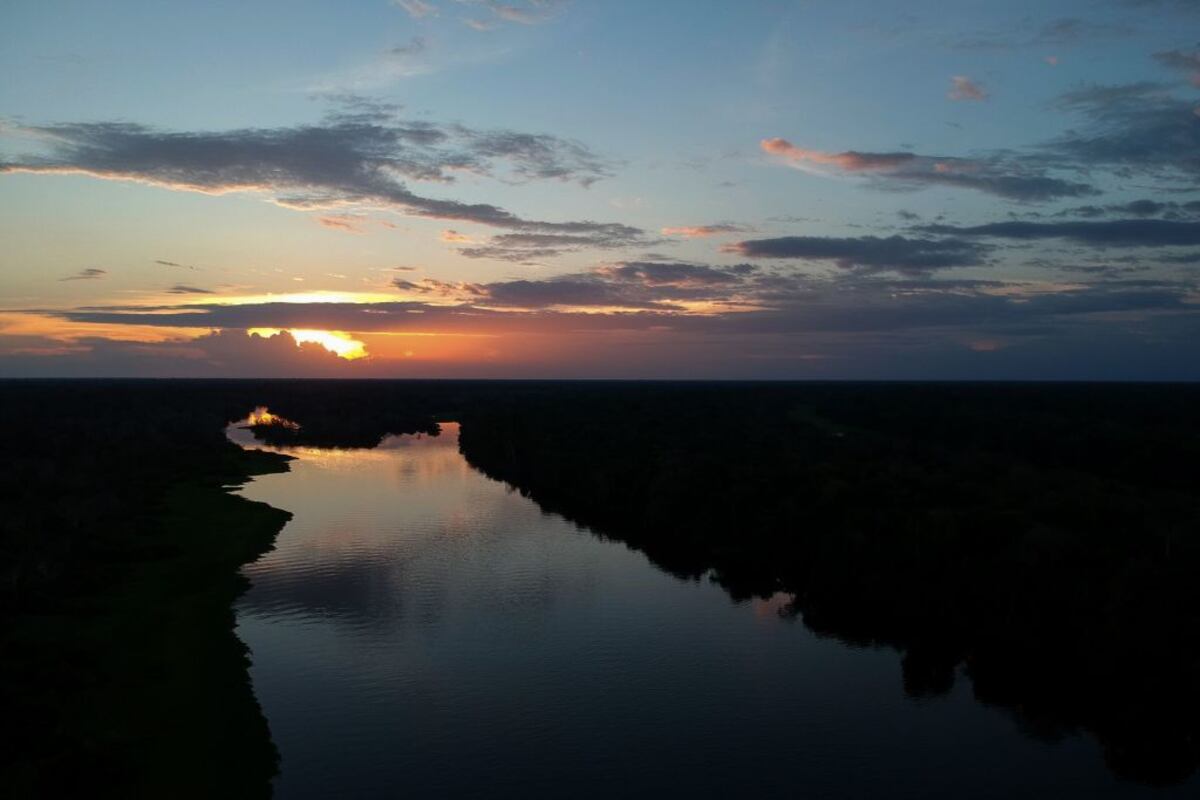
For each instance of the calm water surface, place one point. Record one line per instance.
(423, 631)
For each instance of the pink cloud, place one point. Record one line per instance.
(963, 88)
(341, 222)
(417, 9)
(851, 160)
(701, 231)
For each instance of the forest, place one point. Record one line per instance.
(1037, 540)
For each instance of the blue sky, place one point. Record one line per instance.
(585, 189)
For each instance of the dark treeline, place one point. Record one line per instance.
(1041, 538)
(1044, 539)
(119, 552)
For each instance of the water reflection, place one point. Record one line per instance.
(423, 630)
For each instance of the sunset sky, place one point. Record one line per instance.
(464, 188)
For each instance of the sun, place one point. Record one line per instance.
(339, 343)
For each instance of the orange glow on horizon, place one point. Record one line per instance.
(57, 329)
(295, 297)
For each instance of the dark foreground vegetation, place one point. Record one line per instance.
(119, 553)
(1043, 540)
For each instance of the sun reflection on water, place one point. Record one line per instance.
(263, 416)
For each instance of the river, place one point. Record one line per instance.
(420, 630)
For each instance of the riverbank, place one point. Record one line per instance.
(122, 675)
(1039, 541)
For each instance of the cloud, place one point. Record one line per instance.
(1109, 233)
(889, 302)
(1073, 30)
(89, 274)
(563, 292)
(415, 46)
(749, 309)
(398, 62)
(1065, 31)
(350, 223)
(675, 274)
(702, 231)
(1145, 207)
(1166, 5)
(523, 247)
(996, 175)
(417, 9)
(449, 235)
(963, 88)
(851, 161)
(533, 12)
(165, 263)
(869, 253)
(1137, 128)
(623, 284)
(1182, 61)
(219, 354)
(181, 288)
(457, 290)
(361, 157)
(877, 330)
(536, 156)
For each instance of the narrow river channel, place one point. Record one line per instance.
(420, 630)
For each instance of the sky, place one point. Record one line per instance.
(585, 189)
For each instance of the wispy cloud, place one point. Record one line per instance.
(88, 274)
(663, 300)
(1061, 31)
(1182, 61)
(351, 223)
(703, 231)
(361, 157)
(869, 253)
(529, 12)
(417, 9)
(165, 263)
(1001, 175)
(1108, 233)
(532, 12)
(1135, 128)
(963, 88)
(526, 247)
